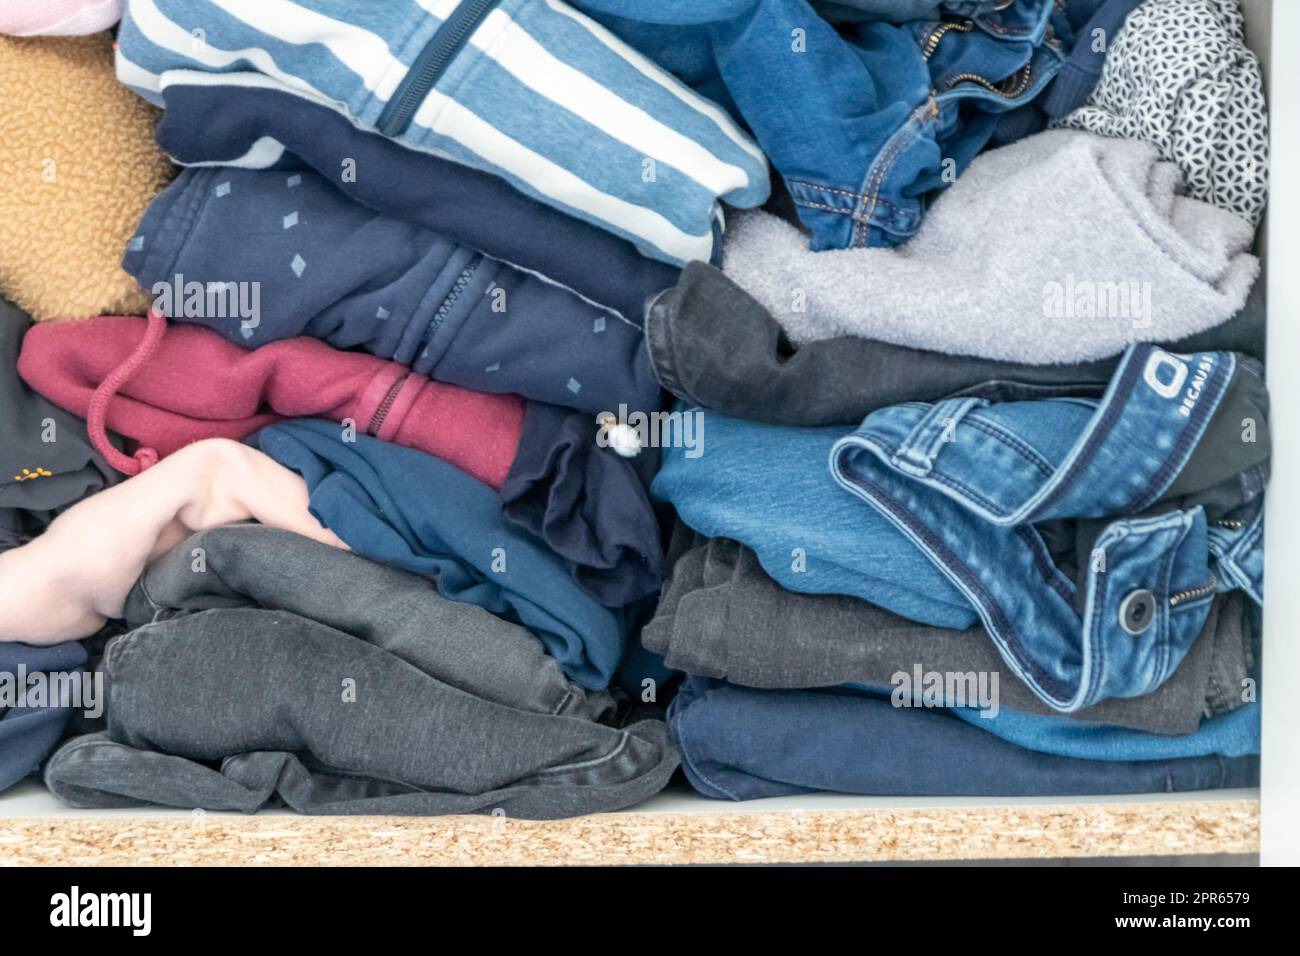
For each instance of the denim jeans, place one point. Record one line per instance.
(1235, 734)
(238, 708)
(768, 487)
(1008, 516)
(863, 128)
(983, 490)
(722, 616)
(899, 11)
(715, 345)
(741, 744)
(315, 677)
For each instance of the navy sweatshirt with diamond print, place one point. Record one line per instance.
(307, 260)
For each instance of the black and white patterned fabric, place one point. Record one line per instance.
(1179, 75)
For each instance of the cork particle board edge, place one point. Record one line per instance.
(785, 836)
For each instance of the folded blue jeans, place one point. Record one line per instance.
(741, 744)
(954, 491)
(861, 127)
(1234, 734)
(971, 483)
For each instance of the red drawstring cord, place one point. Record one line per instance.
(156, 325)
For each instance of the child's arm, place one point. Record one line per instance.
(66, 583)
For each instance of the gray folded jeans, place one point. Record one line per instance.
(714, 345)
(263, 666)
(722, 616)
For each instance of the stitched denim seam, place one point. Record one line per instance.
(950, 564)
(686, 757)
(1015, 442)
(920, 448)
(841, 192)
(842, 211)
(594, 762)
(950, 481)
(154, 606)
(1052, 575)
(957, 485)
(1164, 571)
(827, 189)
(558, 709)
(882, 166)
(1094, 437)
(1091, 632)
(1003, 30)
(881, 169)
(657, 342)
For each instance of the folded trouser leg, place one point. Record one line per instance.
(230, 683)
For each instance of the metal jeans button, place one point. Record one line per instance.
(1137, 611)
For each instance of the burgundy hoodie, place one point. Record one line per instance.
(194, 384)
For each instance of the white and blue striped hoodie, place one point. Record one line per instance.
(530, 90)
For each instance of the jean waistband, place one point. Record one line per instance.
(964, 481)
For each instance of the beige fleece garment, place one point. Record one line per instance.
(78, 167)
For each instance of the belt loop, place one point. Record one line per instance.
(936, 428)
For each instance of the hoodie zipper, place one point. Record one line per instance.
(386, 406)
(447, 41)
(448, 303)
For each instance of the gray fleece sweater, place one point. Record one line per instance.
(1063, 247)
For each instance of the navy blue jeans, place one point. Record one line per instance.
(740, 744)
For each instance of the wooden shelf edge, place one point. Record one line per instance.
(689, 837)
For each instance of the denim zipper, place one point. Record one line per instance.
(386, 406)
(448, 303)
(1192, 594)
(937, 34)
(432, 62)
(1011, 87)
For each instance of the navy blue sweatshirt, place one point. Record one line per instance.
(307, 260)
(253, 126)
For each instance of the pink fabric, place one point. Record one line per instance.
(25, 18)
(106, 391)
(198, 385)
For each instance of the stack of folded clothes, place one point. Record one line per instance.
(453, 431)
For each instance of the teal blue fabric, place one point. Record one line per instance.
(412, 511)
